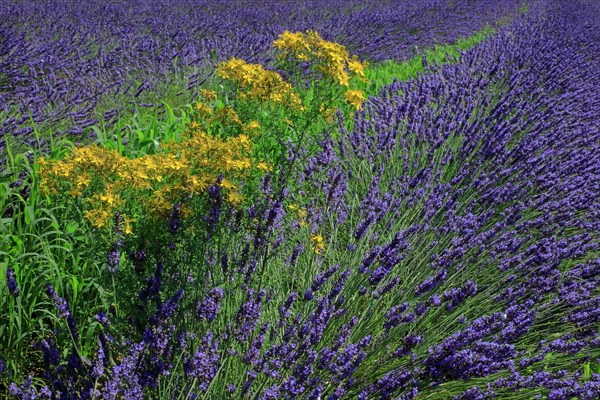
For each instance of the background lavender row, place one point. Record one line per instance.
(63, 62)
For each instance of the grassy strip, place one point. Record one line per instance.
(382, 74)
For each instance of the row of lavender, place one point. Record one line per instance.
(62, 62)
(486, 181)
(460, 222)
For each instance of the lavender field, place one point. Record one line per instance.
(300, 200)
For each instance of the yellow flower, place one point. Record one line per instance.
(111, 199)
(128, 221)
(253, 125)
(235, 198)
(342, 77)
(98, 218)
(203, 109)
(318, 243)
(263, 166)
(252, 128)
(83, 180)
(302, 214)
(186, 212)
(244, 139)
(355, 97)
(176, 165)
(209, 95)
(356, 66)
(331, 58)
(74, 191)
(291, 41)
(227, 184)
(227, 116)
(259, 83)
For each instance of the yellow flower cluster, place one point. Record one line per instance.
(259, 84)
(355, 97)
(327, 113)
(208, 95)
(318, 243)
(332, 58)
(155, 182)
(300, 213)
(203, 109)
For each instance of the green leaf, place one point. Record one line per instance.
(75, 285)
(29, 215)
(71, 227)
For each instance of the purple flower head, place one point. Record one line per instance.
(63, 310)
(203, 366)
(124, 378)
(168, 308)
(320, 279)
(215, 199)
(13, 287)
(338, 286)
(395, 316)
(308, 295)
(153, 284)
(380, 291)
(295, 254)
(103, 319)
(284, 311)
(431, 282)
(25, 392)
(456, 296)
(248, 315)
(98, 368)
(114, 258)
(175, 218)
(50, 352)
(209, 307)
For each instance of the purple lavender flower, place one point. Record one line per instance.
(168, 308)
(98, 368)
(456, 296)
(175, 218)
(13, 287)
(102, 318)
(123, 378)
(248, 315)
(209, 307)
(153, 284)
(203, 366)
(50, 352)
(63, 310)
(284, 311)
(114, 258)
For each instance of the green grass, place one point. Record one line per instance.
(381, 74)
